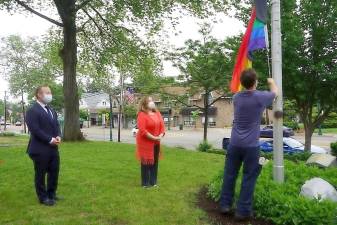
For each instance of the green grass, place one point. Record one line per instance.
(100, 182)
(328, 130)
(17, 140)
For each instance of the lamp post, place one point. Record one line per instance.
(5, 113)
(110, 116)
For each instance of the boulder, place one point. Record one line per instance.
(317, 188)
(322, 160)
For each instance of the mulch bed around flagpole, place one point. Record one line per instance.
(212, 210)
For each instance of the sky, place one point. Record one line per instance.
(31, 25)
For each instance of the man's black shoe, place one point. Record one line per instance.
(47, 202)
(225, 210)
(239, 217)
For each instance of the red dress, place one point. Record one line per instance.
(148, 123)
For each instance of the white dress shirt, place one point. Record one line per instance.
(44, 108)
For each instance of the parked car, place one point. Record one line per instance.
(267, 132)
(18, 123)
(3, 123)
(290, 146)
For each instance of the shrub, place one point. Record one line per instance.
(296, 157)
(204, 146)
(292, 124)
(281, 203)
(331, 121)
(7, 134)
(333, 147)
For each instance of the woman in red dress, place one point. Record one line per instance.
(151, 130)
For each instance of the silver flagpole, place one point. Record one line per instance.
(276, 52)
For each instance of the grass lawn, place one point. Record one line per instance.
(328, 130)
(100, 182)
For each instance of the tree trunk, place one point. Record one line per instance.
(309, 130)
(69, 56)
(206, 106)
(23, 114)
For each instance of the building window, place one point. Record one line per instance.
(188, 121)
(211, 121)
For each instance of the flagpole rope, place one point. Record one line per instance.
(267, 48)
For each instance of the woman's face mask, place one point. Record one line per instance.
(151, 105)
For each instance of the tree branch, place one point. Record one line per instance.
(24, 5)
(82, 5)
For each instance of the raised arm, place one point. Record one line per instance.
(272, 86)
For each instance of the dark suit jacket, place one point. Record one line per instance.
(42, 129)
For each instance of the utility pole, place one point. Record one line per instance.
(5, 113)
(120, 107)
(276, 42)
(110, 117)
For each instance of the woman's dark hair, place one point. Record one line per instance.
(248, 78)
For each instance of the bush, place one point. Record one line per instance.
(296, 157)
(333, 147)
(204, 146)
(281, 203)
(292, 124)
(331, 121)
(7, 134)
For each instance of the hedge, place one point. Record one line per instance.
(333, 147)
(281, 203)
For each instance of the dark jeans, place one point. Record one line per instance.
(251, 169)
(149, 172)
(46, 164)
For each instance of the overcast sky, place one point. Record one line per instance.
(34, 26)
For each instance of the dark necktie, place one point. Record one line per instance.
(49, 112)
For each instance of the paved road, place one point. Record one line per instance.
(190, 138)
(187, 138)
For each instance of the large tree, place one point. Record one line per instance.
(110, 18)
(205, 67)
(309, 43)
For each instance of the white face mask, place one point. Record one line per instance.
(47, 98)
(152, 105)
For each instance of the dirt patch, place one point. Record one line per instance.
(212, 210)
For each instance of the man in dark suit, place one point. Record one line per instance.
(43, 145)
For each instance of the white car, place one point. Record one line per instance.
(293, 143)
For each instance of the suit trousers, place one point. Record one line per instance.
(46, 164)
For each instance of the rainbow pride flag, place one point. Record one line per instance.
(254, 39)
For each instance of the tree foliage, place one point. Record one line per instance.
(205, 67)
